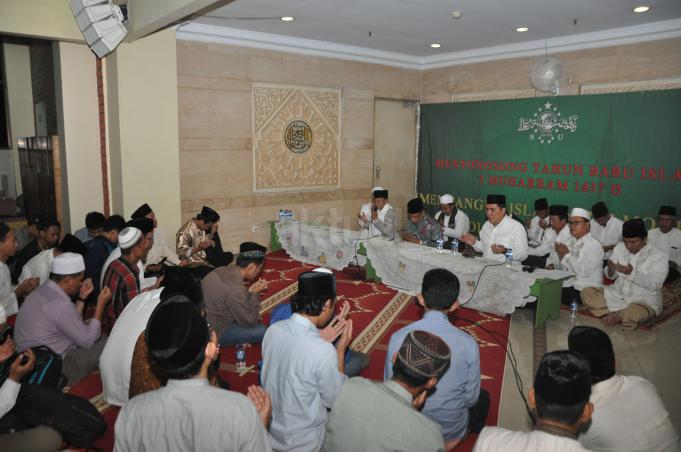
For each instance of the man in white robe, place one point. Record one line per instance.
(40, 265)
(540, 221)
(605, 227)
(364, 215)
(9, 294)
(667, 237)
(543, 253)
(453, 221)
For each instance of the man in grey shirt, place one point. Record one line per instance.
(385, 416)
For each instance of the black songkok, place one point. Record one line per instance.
(415, 206)
(599, 209)
(71, 244)
(667, 210)
(381, 194)
(596, 347)
(563, 378)
(541, 204)
(634, 228)
(141, 212)
(558, 209)
(424, 354)
(145, 225)
(317, 284)
(176, 334)
(209, 215)
(496, 199)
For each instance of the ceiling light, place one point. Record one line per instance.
(436, 45)
(287, 18)
(522, 29)
(642, 9)
(456, 14)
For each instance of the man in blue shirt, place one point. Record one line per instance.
(458, 404)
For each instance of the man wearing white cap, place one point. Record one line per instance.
(364, 215)
(584, 257)
(454, 222)
(49, 317)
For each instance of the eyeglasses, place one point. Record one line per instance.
(6, 333)
(576, 222)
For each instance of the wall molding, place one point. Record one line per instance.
(605, 38)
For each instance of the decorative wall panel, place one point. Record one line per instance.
(296, 138)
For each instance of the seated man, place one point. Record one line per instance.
(560, 402)
(458, 405)
(146, 227)
(160, 250)
(606, 228)
(383, 215)
(364, 215)
(667, 237)
(94, 224)
(9, 295)
(28, 232)
(188, 413)
(40, 265)
(540, 221)
(539, 252)
(629, 415)
(49, 231)
(499, 233)
(384, 416)
(421, 228)
(583, 257)
(49, 317)
(453, 222)
(194, 238)
(100, 248)
(115, 364)
(639, 271)
(232, 309)
(303, 372)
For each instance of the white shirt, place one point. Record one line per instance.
(609, 235)
(563, 237)
(534, 232)
(300, 371)
(508, 233)
(39, 266)
(643, 284)
(585, 260)
(116, 359)
(115, 254)
(548, 238)
(462, 224)
(366, 210)
(9, 391)
(161, 249)
(629, 416)
(190, 415)
(670, 243)
(496, 439)
(8, 299)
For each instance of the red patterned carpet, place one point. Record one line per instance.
(376, 310)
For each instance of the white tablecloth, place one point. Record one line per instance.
(401, 265)
(318, 244)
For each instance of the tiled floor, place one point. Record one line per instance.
(654, 354)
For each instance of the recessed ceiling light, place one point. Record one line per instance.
(522, 29)
(287, 18)
(642, 9)
(436, 45)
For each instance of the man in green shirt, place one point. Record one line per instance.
(385, 416)
(421, 228)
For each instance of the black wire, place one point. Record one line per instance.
(478, 281)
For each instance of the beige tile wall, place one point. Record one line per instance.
(214, 96)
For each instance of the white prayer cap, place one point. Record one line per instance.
(579, 212)
(446, 199)
(3, 315)
(68, 264)
(128, 237)
(323, 270)
(376, 188)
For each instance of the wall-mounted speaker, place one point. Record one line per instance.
(101, 23)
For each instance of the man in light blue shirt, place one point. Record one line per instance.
(458, 404)
(302, 370)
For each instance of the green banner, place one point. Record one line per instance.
(623, 149)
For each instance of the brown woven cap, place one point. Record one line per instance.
(425, 354)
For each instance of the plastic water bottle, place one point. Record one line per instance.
(440, 243)
(573, 311)
(509, 257)
(241, 357)
(281, 215)
(455, 246)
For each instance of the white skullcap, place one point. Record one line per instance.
(446, 199)
(128, 237)
(376, 188)
(579, 212)
(323, 270)
(68, 264)
(3, 315)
